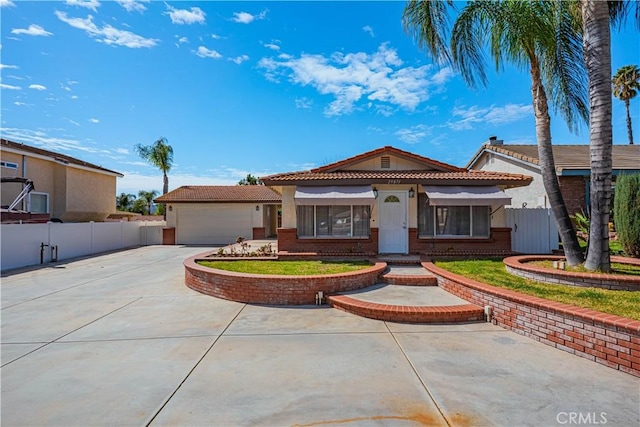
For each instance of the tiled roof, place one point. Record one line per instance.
(387, 150)
(418, 176)
(220, 193)
(63, 158)
(570, 156)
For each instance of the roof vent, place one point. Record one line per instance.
(385, 162)
(493, 140)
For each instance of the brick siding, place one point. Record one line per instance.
(607, 339)
(573, 189)
(288, 241)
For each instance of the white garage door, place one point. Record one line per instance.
(213, 224)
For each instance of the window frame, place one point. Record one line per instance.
(9, 165)
(330, 215)
(39, 193)
(434, 223)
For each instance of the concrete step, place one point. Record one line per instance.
(409, 275)
(407, 304)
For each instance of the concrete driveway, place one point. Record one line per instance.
(118, 339)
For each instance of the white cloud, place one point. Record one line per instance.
(7, 3)
(33, 30)
(74, 96)
(304, 103)
(414, 134)
(94, 120)
(43, 140)
(122, 151)
(3, 66)
(183, 40)
(367, 29)
(469, 117)
(239, 59)
(195, 15)
(37, 87)
(89, 4)
(9, 87)
(107, 34)
(73, 122)
(203, 52)
(21, 104)
(379, 77)
(215, 36)
(247, 18)
(133, 5)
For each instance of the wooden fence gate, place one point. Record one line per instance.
(533, 231)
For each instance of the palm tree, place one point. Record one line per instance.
(148, 197)
(536, 35)
(626, 83)
(124, 201)
(250, 180)
(160, 155)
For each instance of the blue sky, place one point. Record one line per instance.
(249, 87)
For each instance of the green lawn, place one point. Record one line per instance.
(493, 272)
(616, 268)
(289, 268)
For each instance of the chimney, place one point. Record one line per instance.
(493, 140)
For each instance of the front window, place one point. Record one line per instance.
(453, 221)
(38, 202)
(333, 221)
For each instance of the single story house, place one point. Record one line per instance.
(393, 201)
(67, 188)
(214, 214)
(572, 168)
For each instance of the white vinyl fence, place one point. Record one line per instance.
(31, 244)
(533, 231)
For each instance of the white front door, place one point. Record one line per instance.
(393, 234)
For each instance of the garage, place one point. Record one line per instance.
(218, 224)
(218, 214)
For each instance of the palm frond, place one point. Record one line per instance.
(428, 23)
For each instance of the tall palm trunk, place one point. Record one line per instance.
(548, 168)
(629, 130)
(165, 190)
(597, 51)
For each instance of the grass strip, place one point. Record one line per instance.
(493, 272)
(288, 268)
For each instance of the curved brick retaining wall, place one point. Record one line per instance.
(519, 265)
(274, 289)
(607, 339)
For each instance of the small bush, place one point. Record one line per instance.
(626, 211)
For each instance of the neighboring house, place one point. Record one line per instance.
(210, 214)
(67, 188)
(572, 169)
(393, 201)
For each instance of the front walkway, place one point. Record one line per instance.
(119, 339)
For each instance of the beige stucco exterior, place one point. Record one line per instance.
(534, 195)
(75, 193)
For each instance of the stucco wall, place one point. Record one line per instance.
(533, 195)
(397, 163)
(90, 196)
(288, 207)
(9, 191)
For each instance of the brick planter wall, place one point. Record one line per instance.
(607, 339)
(288, 241)
(274, 289)
(519, 266)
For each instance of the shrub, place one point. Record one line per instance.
(626, 211)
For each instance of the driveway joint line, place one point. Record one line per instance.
(70, 332)
(168, 399)
(424, 384)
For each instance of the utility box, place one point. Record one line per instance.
(169, 236)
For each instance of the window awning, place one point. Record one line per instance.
(466, 196)
(335, 195)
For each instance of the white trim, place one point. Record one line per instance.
(9, 165)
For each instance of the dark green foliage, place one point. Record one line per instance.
(627, 213)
